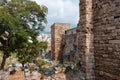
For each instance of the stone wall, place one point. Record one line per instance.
(70, 31)
(97, 41)
(85, 40)
(69, 47)
(106, 21)
(57, 31)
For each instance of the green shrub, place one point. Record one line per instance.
(40, 62)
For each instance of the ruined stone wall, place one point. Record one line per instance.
(70, 31)
(57, 31)
(97, 41)
(85, 40)
(106, 29)
(69, 47)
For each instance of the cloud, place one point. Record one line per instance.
(62, 11)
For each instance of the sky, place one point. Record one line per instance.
(61, 11)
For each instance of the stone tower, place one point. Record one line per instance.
(98, 39)
(85, 39)
(57, 30)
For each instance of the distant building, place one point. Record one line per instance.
(45, 38)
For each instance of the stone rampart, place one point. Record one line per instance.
(70, 31)
(57, 31)
(106, 30)
(69, 47)
(95, 44)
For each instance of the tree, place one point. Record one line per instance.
(43, 45)
(28, 53)
(20, 20)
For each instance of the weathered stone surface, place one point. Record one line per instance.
(106, 38)
(57, 31)
(70, 31)
(97, 38)
(69, 47)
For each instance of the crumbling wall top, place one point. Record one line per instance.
(60, 24)
(70, 31)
